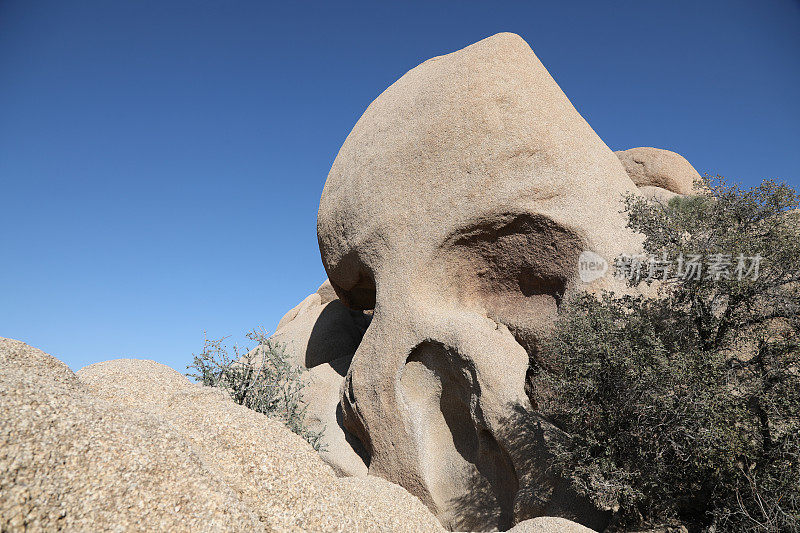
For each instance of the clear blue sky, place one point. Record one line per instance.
(161, 161)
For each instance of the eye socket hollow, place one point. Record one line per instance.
(516, 268)
(514, 260)
(353, 283)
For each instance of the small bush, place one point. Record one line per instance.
(685, 408)
(262, 379)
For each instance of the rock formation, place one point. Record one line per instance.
(70, 461)
(450, 226)
(131, 445)
(457, 209)
(321, 334)
(549, 524)
(659, 174)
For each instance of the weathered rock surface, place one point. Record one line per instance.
(69, 461)
(657, 168)
(131, 445)
(457, 209)
(657, 194)
(549, 524)
(321, 334)
(320, 330)
(274, 471)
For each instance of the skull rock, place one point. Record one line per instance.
(457, 209)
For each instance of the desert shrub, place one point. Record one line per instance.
(261, 378)
(685, 407)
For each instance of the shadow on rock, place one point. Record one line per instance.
(335, 336)
(541, 491)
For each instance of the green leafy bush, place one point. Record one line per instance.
(262, 379)
(685, 407)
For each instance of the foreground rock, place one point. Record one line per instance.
(133, 446)
(70, 461)
(457, 209)
(273, 470)
(548, 524)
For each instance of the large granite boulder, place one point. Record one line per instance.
(274, 472)
(132, 445)
(70, 461)
(457, 209)
(659, 174)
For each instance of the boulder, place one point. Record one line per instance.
(324, 294)
(339, 448)
(654, 167)
(457, 209)
(132, 445)
(322, 334)
(657, 194)
(318, 331)
(69, 461)
(549, 524)
(273, 471)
